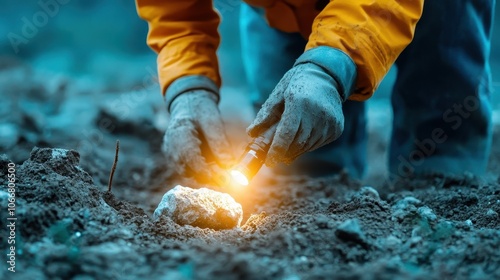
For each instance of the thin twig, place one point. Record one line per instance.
(114, 165)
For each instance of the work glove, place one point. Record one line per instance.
(195, 135)
(307, 107)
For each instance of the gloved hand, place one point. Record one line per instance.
(307, 106)
(196, 132)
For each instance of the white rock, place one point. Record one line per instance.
(203, 208)
(406, 203)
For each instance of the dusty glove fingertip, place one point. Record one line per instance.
(253, 130)
(270, 162)
(274, 156)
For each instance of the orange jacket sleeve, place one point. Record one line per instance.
(184, 34)
(372, 33)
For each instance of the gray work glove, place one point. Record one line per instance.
(195, 134)
(307, 106)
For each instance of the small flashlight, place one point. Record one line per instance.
(253, 158)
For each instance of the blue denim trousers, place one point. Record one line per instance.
(441, 97)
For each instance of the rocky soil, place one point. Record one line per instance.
(61, 136)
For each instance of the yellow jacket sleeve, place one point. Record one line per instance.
(372, 33)
(184, 34)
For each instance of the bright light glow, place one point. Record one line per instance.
(239, 177)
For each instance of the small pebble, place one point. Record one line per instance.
(415, 240)
(411, 200)
(491, 213)
(404, 207)
(392, 241)
(322, 221)
(350, 230)
(369, 191)
(427, 213)
(468, 223)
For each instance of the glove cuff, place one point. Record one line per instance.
(334, 62)
(190, 83)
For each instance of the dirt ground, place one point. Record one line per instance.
(69, 227)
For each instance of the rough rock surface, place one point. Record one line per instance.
(350, 230)
(202, 208)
